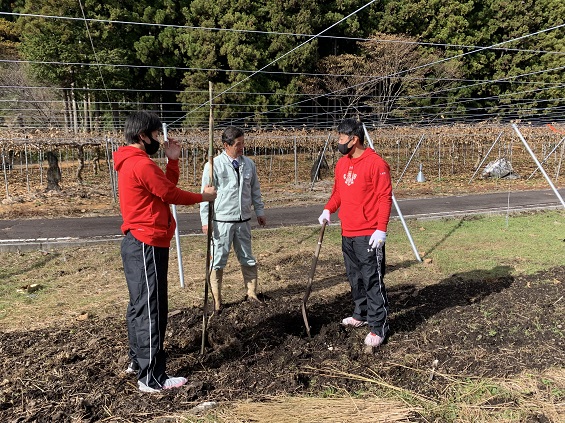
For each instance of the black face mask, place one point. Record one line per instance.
(152, 147)
(344, 149)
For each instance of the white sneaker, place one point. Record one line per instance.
(351, 321)
(373, 340)
(133, 368)
(170, 383)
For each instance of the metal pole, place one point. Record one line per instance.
(540, 167)
(295, 163)
(27, 169)
(547, 157)
(414, 249)
(397, 207)
(210, 213)
(486, 155)
(320, 161)
(5, 174)
(410, 160)
(177, 232)
(110, 170)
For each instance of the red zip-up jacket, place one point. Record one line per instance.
(363, 194)
(145, 194)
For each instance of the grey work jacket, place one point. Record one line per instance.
(233, 203)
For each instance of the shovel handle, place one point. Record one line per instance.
(311, 277)
(314, 262)
(318, 248)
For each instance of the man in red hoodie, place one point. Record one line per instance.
(145, 195)
(363, 194)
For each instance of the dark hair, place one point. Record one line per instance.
(230, 134)
(352, 127)
(140, 122)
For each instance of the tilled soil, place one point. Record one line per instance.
(473, 324)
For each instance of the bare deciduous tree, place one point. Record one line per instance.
(31, 104)
(390, 71)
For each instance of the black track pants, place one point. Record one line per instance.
(145, 268)
(365, 268)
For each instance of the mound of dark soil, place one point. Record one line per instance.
(473, 324)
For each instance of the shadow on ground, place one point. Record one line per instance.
(474, 324)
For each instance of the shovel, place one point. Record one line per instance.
(311, 278)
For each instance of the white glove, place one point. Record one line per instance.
(377, 239)
(324, 216)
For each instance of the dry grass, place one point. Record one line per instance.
(314, 410)
(471, 399)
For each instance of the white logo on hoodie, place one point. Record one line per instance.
(349, 177)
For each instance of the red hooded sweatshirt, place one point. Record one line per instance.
(363, 194)
(145, 194)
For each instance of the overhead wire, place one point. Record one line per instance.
(251, 31)
(281, 57)
(439, 61)
(494, 46)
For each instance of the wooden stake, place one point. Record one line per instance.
(210, 216)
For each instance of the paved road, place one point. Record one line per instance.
(32, 234)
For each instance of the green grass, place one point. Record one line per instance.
(526, 243)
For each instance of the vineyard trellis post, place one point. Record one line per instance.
(5, 175)
(486, 155)
(40, 160)
(27, 169)
(410, 160)
(295, 163)
(547, 157)
(558, 170)
(320, 158)
(111, 170)
(538, 164)
(439, 160)
(400, 215)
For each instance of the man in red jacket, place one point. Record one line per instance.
(145, 195)
(363, 194)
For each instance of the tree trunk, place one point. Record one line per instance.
(80, 154)
(53, 172)
(96, 160)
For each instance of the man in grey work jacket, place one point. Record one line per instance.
(235, 179)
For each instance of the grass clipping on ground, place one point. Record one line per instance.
(305, 409)
(468, 399)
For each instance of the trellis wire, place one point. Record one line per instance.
(546, 157)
